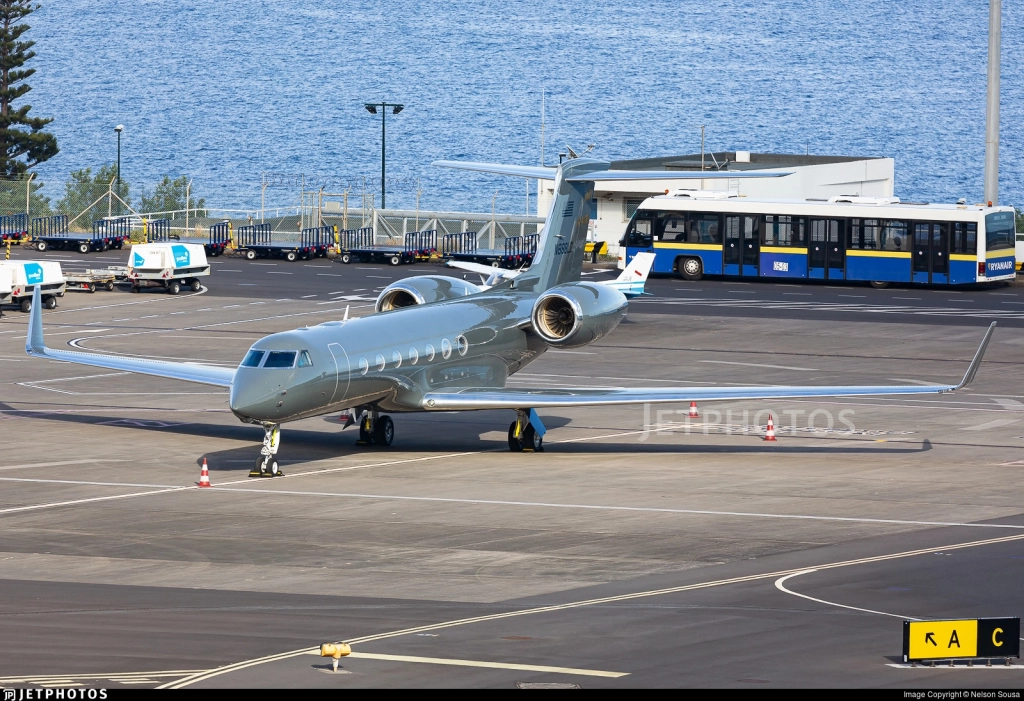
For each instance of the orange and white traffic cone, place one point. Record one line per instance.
(204, 476)
(693, 411)
(770, 433)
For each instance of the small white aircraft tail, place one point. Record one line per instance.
(632, 279)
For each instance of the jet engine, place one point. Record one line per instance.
(422, 289)
(577, 313)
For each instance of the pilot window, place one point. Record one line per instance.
(252, 359)
(280, 359)
(304, 360)
(640, 230)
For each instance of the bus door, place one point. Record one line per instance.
(639, 235)
(732, 246)
(930, 253)
(751, 244)
(826, 250)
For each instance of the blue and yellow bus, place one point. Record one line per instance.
(877, 240)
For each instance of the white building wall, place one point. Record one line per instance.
(869, 178)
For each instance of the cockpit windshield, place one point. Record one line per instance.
(253, 358)
(280, 359)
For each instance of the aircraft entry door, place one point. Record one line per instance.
(341, 372)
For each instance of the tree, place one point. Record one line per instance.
(1019, 219)
(23, 143)
(170, 196)
(83, 189)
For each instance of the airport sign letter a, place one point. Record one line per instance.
(943, 640)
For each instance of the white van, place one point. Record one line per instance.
(24, 275)
(167, 265)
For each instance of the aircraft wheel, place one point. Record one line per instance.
(384, 431)
(689, 268)
(532, 439)
(365, 437)
(514, 444)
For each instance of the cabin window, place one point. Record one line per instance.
(380, 362)
(396, 358)
(462, 344)
(429, 352)
(414, 356)
(304, 360)
(280, 359)
(364, 366)
(446, 349)
(252, 359)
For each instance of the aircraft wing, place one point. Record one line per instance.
(539, 172)
(192, 372)
(602, 175)
(517, 398)
(485, 270)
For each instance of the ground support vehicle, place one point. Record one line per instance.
(878, 240)
(13, 228)
(517, 252)
(92, 280)
(169, 266)
(258, 241)
(24, 275)
(52, 232)
(360, 246)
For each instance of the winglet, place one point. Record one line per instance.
(34, 343)
(972, 369)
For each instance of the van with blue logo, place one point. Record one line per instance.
(24, 275)
(168, 266)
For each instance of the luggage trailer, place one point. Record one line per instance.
(13, 228)
(517, 252)
(258, 241)
(360, 245)
(217, 241)
(52, 232)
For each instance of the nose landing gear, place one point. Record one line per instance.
(266, 464)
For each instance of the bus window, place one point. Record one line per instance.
(782, 230)
(893, 236)
(999, 232)
(964, 238)
(704, 228)
(864, 234)
(639, 231)
(672, 227)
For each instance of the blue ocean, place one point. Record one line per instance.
(224, 91)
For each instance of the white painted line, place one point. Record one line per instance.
(277, 272)
(238, 666)
(329, 275)
(91, 484)
(487, 665)
(780, 587)
(86, 461)
(126, 675)
(75, 502)
(991, 424)
(759, 365)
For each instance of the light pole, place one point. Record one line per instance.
(119, 128)
(371, 107)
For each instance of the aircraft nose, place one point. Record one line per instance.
(250, 400)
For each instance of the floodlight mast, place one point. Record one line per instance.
(371, 107)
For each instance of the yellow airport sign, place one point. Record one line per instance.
(961, 638)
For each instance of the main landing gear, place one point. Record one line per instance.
(526, 434)
(375, 429)
(266, 464)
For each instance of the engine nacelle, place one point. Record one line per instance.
(577, 313)
(423, 289)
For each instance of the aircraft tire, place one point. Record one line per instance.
(384, 432)
(531, 439)
(514, 444)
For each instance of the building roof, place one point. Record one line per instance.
(726, 160)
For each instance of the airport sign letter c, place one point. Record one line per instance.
(997, 643)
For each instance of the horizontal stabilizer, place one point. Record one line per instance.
(539, 172)
(601, 175)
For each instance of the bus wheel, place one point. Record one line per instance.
(879, 285)
(689, 268)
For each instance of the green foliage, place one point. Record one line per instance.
(23, 143)
(85, 192)
(170, 196)
(1019, 219)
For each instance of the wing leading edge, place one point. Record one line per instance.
(472, 398)
(35, 346)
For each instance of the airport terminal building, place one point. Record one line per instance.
(814, 177)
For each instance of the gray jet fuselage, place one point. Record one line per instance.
(391, 359)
